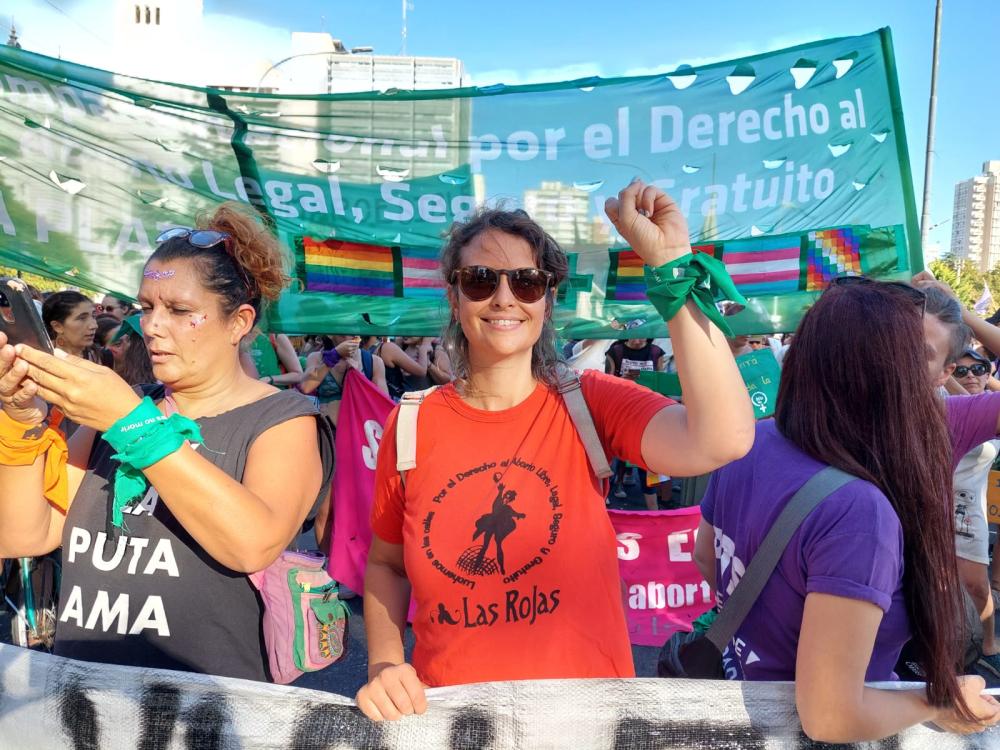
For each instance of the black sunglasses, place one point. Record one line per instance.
(481, 282)
(978, 370)
(916, 295)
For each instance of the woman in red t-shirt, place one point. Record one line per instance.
(500, 532)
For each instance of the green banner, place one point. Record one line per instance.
(760, 371)
(93, 165)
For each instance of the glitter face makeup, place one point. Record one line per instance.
(158, 275)
(198, 320)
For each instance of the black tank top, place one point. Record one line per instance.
(154, 597)
(400, 382)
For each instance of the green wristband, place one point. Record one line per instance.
(704, 277)
(140, 439)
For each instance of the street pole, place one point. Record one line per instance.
(402, 48)
(925, 223)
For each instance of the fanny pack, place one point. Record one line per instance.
(305, 622)
(699, 655)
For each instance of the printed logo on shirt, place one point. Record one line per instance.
(644, 365)
(503, 522)
(963, 501)
(738, 654)
(124, 614)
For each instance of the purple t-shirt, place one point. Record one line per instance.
(851, 545)
(972, 420)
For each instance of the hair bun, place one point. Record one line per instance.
(255, 248)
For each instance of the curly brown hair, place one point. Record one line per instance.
(252, 271)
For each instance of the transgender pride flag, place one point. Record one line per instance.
(422, 272)
(764, 265)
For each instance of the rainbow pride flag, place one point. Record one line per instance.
(626, 280)
(421, 272)
(348, 267)
(629, 284)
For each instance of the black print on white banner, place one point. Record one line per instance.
(208, 724)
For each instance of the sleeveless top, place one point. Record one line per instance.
(153, 597)
(400, 382)
(329, 389)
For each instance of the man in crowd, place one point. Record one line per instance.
(115, 307)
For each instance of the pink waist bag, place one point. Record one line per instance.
(305, 622)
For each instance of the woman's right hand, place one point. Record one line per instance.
(18, 395)
(346, 349)
(394, 692)
(984, 707)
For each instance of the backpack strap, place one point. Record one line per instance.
(367, 363)
(406, 430)
(576, 404)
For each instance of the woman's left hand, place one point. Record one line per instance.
(87, 393)
(650, 222)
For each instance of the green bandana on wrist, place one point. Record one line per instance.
(704, 277)
(140, 439)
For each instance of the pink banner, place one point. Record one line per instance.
(363, 412)
(664, 592)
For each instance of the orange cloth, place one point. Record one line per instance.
(21, 445)
(507, 542)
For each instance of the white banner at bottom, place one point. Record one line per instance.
(49, 703)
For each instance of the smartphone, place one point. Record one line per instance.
(19, 317)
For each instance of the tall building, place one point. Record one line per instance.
(320, 64)
(370, 142)
(975, 233)
(564, 212)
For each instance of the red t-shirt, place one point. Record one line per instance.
(507, 543)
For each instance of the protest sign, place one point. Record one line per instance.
(664, 590)
(363, 411)
(760, 371)
(993, 497)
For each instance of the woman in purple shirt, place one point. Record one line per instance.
(874, 564)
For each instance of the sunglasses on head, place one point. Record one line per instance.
(916, 295)
(203, 238)
(978, 370)
(481, 282)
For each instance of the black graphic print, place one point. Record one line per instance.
(494, 527)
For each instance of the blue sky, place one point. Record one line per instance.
(518, 41)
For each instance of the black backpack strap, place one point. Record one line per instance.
(811, 494)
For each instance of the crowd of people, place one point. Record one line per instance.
(175, 480)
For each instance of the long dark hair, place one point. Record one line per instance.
(58, 307)
(855, 394)
(135, 367)
(548, 256)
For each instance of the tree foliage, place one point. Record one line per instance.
(966, 279)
